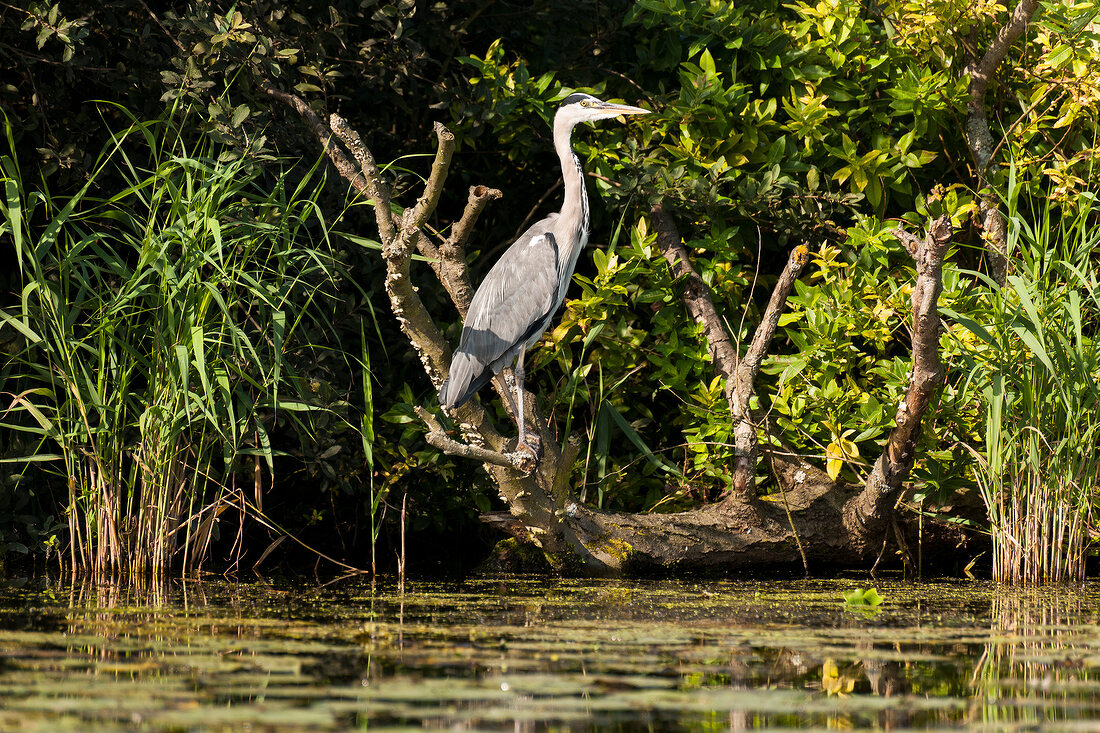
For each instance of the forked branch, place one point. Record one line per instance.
(740, 373)
(744, 389)
(449, 259)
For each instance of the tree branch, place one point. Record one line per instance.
(373, 184)
(415, 217)
(696, 295)
(519, 460)
(451, 263)
(745, 442)
(981, 71)
(979, 138)
(868, 513)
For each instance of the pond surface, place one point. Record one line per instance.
(520, 653)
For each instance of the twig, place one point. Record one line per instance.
(605, 179)
(401, 558)
(534, 210)
(246, 507)
(790, 520)
(1023, 117)
(479, 198)
(180, 46)
(415, 217)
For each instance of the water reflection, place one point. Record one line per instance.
(525, 654)
(1041, 656)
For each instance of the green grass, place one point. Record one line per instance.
(151, 349)
(1038, 370)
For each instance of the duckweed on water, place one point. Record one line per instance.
(509, 653)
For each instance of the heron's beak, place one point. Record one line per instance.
(623, 109)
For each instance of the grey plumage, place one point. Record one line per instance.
(516, 301)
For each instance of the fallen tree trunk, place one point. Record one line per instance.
(818, 521)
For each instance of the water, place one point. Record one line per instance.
(533, 654)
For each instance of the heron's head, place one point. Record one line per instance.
(581, 107)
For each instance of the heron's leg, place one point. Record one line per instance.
(509, 388)
(532, 440)
(519, 399)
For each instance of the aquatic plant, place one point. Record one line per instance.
(1037, 376)
(155, 341)
(863, 597)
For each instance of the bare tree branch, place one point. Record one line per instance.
(344, 166)
(452, 255)
(868, 512)
(980, 139)
(696, 295)
(416, 216)
(981, 72)
(745, 442)
(373, 185)
(519, 460)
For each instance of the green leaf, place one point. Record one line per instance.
(706, 63)
(240, 114)
(861, 597)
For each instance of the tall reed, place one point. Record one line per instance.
(1039, 471)
(157, 326)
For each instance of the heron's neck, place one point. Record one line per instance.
(575, 206)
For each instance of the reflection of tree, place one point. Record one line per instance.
(871, 675)
(754, 668)
(888, 680)
(1034, 662)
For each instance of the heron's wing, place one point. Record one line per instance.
(514, 300)
(512, 305)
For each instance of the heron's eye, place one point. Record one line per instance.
(584, 102)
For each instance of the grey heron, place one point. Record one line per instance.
(516, 301)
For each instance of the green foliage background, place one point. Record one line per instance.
(775, 124)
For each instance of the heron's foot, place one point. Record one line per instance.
(531, 447)
(531, 442)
